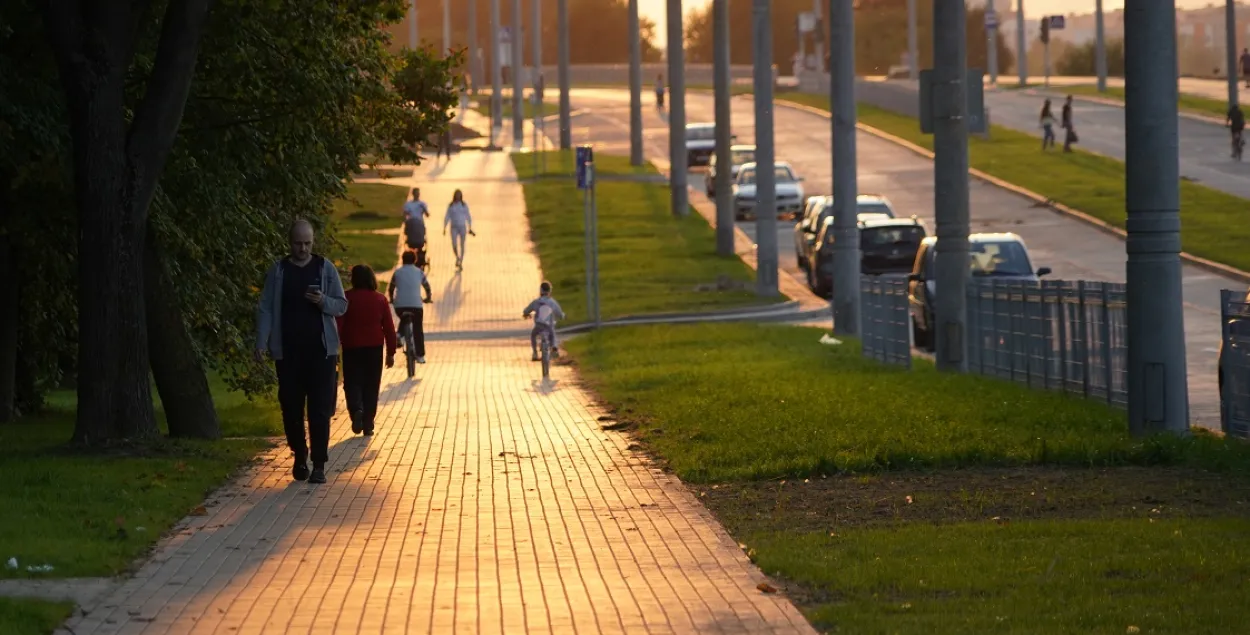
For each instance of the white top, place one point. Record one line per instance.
(458, 216)
(418, 208)
(407, 284)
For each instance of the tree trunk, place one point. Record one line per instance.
(180, 377)
(8, 334)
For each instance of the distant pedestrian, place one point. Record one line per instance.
(364, 329)
(1069, 136)
(1047, 120)
(659, 91)
(1245, 66)
(444, 142)
(461, 223)
(295, 325)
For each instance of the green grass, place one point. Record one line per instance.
(22, 616)
(379, 251)
(740, 402)
(1213, 223)
(1091, 576)
(371, 206)
(649, 261)
(1189, 103)
(82, 512)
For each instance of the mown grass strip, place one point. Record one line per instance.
(23, 616)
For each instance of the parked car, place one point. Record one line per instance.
(789, 191)
(814, 217)
(700, 143)
(1003, 256)
(738, 155)
(887, 247)
(1234, 364)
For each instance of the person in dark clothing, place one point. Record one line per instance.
(1069, 135)
(1245, 66)
(295, 326)
(1048, 126)
(364, 329)
(1236, 122)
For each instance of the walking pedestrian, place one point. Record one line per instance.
(659, 92)
(364, 329)
(295, 325)
(1245, 65)
(1048, 126)
(1069, 136)
(405, 289)
(461, 223)
(444, 142)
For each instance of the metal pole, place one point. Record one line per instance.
(1230, 44)
(724, 158)
(412, 25)
(594, 242)
(446, 27)
(1022, 50)
(1158, 395)
(586, 241)
(635, 86)
(1046, 62)
(991, 41)
(765, 159)
(846, 252)
(496, 74)
(913, 49)
(1100, 48)
(566, 133)
(536, 59)
(518, 65)
(677, 110)
(475, 60)
(950, 175)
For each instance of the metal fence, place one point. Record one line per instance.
(884, 323)
(1059, 335)
(1235, 363)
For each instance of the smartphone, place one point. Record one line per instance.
(314, 288)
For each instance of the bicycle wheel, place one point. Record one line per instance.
(410, 353)
(546, 356)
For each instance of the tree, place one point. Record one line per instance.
(1080, 60)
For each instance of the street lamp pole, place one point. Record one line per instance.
(518, 65)
(724, 158)
(765, 154)
(566, 132)
(677, 110)
(1100, 48)
(635, 86)
(846, 252)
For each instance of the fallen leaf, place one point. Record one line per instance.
(199, 511)
(766, 587)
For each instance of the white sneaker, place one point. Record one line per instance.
(420, 360)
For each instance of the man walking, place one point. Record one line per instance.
(1069, 135)
(1245, 66)
(295, 325)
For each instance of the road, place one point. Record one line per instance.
(1071, 248)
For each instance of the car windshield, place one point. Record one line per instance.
(743, 156)
(875, 207)
(700, 133)
(871, 238)
(784, 175)
(999, 259)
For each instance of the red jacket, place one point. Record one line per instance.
(367, 321)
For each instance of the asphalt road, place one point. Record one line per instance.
(1071, 248)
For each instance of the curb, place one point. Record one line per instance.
(1197, 261)
(1107, 101)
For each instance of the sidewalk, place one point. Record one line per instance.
(487, 502)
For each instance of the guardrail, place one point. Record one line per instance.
(885, 323)
(1058, 335)
(1235, 363)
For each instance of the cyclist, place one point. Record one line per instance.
(461, 222)
(1236, 122)
(405, 296)
(415, 213)
(546, 311)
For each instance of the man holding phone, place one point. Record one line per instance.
(295, 326)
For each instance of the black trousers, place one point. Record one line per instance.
(362, 379)
(308, 380)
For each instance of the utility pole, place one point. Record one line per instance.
(496, 73)
(635, 86)
(566, 130)
(1022, 51)
(765, 157)
(724, 158)
(991, 44)
(846, 252)
(677, 110)
(518, 65)
(536, 57)
(446, 27)
(1100, 47)
(475, 60)
(913, 49)
(1158, 392)
(413, 40)
(950, 175)
(1230, 43)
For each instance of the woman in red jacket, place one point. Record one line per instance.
(363, 330)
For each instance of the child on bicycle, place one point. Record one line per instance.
(405, 294)
(546, 311)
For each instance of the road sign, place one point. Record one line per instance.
(991, 20)
(1056, 22)
(585, 154)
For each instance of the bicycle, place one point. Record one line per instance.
(409, 340)
(546, 335)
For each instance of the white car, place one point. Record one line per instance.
(700, 143)
(789, 191)
(738, 155)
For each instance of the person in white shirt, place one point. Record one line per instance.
(546, 311)
(461, 223)
(405, 295)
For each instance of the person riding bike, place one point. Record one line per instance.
(1236, 122)
(546, 311)
(415, 213)
(405, 296)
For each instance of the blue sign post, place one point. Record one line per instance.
(585, 154)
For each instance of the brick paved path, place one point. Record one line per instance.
(487, 502)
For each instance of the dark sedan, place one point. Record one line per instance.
(887, 246)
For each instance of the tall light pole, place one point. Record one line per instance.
(518, 65)
(1100, 48)
(1022, 51)
(536, 59)
(846, 252)
(496, 73)
(475, 61)
(1230, 55)
(724, 158)
(635, 86)
(1158, 393)
(765, 157)
(913, 49)
(950, 175)
(677, 110)
(566, 132)
(446, 27)
(991, 43)
(412, 25)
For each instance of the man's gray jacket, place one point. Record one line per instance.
(269, 313)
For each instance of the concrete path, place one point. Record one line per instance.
(487, 502)
(1073, 249)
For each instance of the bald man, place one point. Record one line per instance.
(295, 326)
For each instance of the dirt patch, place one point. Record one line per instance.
(1004, 495)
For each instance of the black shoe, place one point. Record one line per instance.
(300, 471)
(368, 432)
(318, 475)
(356, 416)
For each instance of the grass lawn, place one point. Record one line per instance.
(94, 514)
(889, 501)
(21, 616)
(1190, 103)
(379, 251)
(370, 206)
(1213, 223)
(649, 261)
